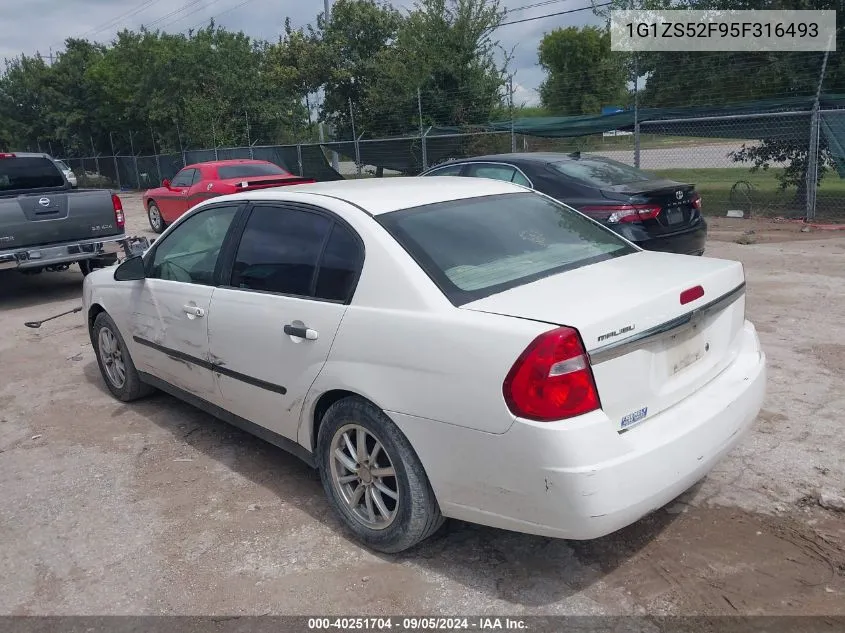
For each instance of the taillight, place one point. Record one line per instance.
(552, 379)
(616, 213)
(6, 155)
(119, 217)
(696, 201)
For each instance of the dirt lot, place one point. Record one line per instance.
(157, 508)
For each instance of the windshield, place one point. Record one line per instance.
(600, 172)
(480, 246)
(22, 173)
(249, 169)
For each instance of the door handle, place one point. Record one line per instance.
(194, 311)
(302, 332)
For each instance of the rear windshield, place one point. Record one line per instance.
(248, 170)
(600, 172)
(480, 246)
(29, 173)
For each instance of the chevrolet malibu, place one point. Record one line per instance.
(441, 347)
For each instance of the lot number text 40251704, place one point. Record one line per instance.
(401, 624)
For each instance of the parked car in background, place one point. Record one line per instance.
(654, 213)
(47, 225)
(201, 181)
(441, 347)
(68, 173)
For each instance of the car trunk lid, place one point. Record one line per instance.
(676, 202)
(648, 350)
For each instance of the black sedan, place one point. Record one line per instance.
(654, 213)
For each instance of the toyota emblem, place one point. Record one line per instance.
(679, 195)
(44, 202)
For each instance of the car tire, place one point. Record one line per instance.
(415, 512)
(115, 362)
(157, 223)
(86, 266)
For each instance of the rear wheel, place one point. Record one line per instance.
(116, 365)
(154, 215)
(374, 479)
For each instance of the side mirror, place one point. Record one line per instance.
(131, 270)
(165, 183)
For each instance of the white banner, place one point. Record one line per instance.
(722, 30)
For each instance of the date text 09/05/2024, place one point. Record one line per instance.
(416, 624)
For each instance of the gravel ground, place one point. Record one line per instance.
(157, 508)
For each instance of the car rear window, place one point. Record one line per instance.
(22, 173)
(480, 246)
(247, 170)
(600, 172)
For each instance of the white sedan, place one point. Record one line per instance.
(441, 347)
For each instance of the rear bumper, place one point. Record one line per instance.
(581, 479)
(689, 242)
(69, 252)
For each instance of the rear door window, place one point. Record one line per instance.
(477, 247)
(297, 252)
(21, 173)
(279, 251)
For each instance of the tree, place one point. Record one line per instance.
(583, 73)
(444, 60)
(352, 43)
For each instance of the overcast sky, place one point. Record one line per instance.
(27, 26)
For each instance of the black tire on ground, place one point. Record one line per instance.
(418, 515)
(160, 225)
(86, 266)
(132, 387)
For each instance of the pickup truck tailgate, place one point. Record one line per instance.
(49, 218)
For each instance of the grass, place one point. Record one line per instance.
(759, 192)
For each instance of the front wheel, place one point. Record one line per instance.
(155, 218)
(373, 478)
(114, 360)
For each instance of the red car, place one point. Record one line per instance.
(197, 182)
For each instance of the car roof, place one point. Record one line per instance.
(384, 195)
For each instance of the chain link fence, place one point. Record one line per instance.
(747, 165)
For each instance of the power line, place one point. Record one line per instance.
(533, 6)
(214, 17)
(127, 14)
(187, 5)
(551, 15)
(179, 19)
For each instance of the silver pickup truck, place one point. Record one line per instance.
(47, 225)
